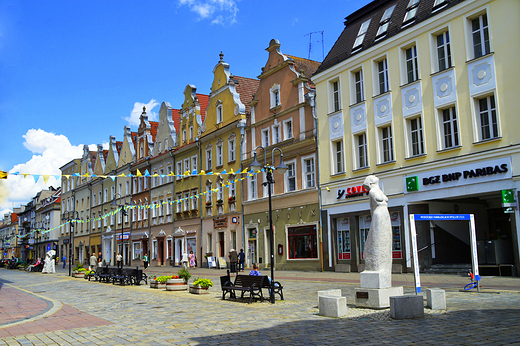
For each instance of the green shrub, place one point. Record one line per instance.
(184, 274)
(204, 283)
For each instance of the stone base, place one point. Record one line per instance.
(342, 268)
(376, 298)
(436, 299)
(368, 279)
(332, 306)
(409, 306)
(331, 293)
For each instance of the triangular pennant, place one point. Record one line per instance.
(113, 178)
(25, 175)
(139, 173)
(36, 177)
(146, 173)
(46, 178)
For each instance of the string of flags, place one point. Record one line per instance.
(140, 206)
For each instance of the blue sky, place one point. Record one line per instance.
(76, 72)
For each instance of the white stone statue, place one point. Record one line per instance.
(378, 245)
(49, 266)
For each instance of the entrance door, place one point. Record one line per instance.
(160, 252)
(251, 253)
(178, 251)
(221, 244)
(125, 254)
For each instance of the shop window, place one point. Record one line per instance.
(343, 226)
(302, 242)
(396, 235)
(364, 227)
(136, 250)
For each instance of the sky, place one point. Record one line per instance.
(76, 72)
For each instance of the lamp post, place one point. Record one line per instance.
(282, 168)
(125, 213)
(70, 216)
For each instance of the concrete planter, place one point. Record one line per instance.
(80, 275)
(157, 285)
(176, 285)
(196, 289)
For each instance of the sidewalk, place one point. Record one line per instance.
(427, 280)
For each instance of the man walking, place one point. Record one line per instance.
(241, 260)
(93, 262)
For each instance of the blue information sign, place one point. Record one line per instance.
(439, 217)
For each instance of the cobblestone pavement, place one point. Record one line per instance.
(67, 311)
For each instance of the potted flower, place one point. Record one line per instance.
(220, 201)
(88, 272)
(184, 274)
(201, 286)
(159, 282)
(231, 199)
(175, 283)
(208, 204)
(80, 273)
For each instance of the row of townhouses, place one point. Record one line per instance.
(417, 92)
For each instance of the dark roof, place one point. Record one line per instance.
(342, 49)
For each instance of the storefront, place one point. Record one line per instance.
(186, 239)
(220, 235)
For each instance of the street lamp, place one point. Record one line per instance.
(125, 213)
(282, 168)
(70, 216)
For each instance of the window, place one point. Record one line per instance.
(411, 10)
(361, 34)
(364, 227)
(343, 227)
(287, 129)
(194, 199)
(439, 3)
(443, 51)
(187, 165)
(208, 159)
(266, 186)
(155, 179)
(416, 136)
(179, 170)
(161, 208)
(339, 165)
(169, 206)
(362, 150)
(275, 96)
(231, 150)
(412, 72)
(252, 187)
(210, 242)
(358, 86)
(387, 144)
(191, 132)
(184, 136)
(186, 201)
(450, 129)
(136, 250)
(154, 249)
(219, 114)
(178, 204)
(232, 189)
(302, 242)
(309, 172)
(169, 171)
(385, 20)
(265, 138)
(220, 160)
(290, 177)
(276, 134)
(194, 163)
(480, 36)
(382, 73)
(220, 191)
(161, 175)
(127, 187)
(94, 199)
(336, 100)
(209, 194)
(488, 118)
(106, 195)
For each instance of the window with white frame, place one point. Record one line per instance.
(169, 171)
(382, 76)
(438, 3)
(127, 187)
(94, 199)
(186, 201)
(252, 187)
(158, 145)
(93, 220)
(145, 181)
(385, 20)
(187, 165)
(99, 221)
(220, 157)
(161, 208)
(290, 177)
(415, 137)
(338, 157)
(412, 65)
(134, 185)
(480, 36)
(194, 199)
(179, 170)
(161, 176)
(387, 144)
(275, 95)
(168, 206)
(191, 132)
(184, 136)
(335, 96)
(194, 163)
(136, 250)
(220, 115)
(154, 249)
(287, 129)
(178, 202)
(232, 189)
(231, 150)
(209, 193)
(145, 213)
(155, 179)
(154, 209)
(309, 172)
(220, 192)
(357, 80)
(443, 50)
(361, 150)
(265, 137)
(208, 159)
(361, 34)
(487, 118)
(449, 128)
(266, 186)
(106, 195)
(411, 11)
(276, 134)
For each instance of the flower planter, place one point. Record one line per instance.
(196, 289)
(80, 275)
(176, 285)
(157, 285)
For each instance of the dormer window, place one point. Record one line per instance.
(385, 20)
(361, 34)
(411, 11)
(275, 96)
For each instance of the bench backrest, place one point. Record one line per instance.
(249, 280)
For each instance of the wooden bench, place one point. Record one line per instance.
(106, 275)
(95, 275)
(139, 276)
(123, 277)
(248, 283)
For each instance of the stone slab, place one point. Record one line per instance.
(331, 293)
(332, 306)
(368, 279)
(376, 298)
(405, 307)
(436, 298)
(342, 268)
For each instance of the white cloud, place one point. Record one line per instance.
(133, 119)
(50, 152)
(223, 12)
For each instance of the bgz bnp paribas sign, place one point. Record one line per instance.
(482, 172)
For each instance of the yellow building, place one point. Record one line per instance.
(422, 94)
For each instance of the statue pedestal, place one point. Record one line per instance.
(376, 298)
(369, 279)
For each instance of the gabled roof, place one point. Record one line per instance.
(176, 114)
(204, 101)
(307, 66)
(343, 48)
(246, 88)
(153, 129)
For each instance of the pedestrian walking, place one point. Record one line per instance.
(119, 260)
(93, 262)
(64, 261)
(233, 259)
(185, 259)
(241, 260)
(145, 261)
(192, 259)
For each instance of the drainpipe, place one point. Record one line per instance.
(311, 99)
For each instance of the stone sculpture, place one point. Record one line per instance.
(49, 266)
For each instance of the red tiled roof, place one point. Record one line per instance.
(308, 66)
(105, 154)
(153, 131)
(119, 146)
(134, 139)
(176, 114)
(246, 88)
(204, 101)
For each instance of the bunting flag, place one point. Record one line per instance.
(3, 175)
